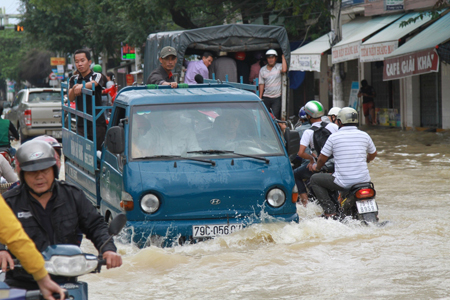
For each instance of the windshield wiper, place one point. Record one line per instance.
(213, 163)
(230, 152)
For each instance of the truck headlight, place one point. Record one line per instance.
(71, 266)
(150, 203)
(276, 197)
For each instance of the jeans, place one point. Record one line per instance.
(321, 183)
(301, 173)
(274, 104)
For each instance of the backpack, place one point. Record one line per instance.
(320, 136)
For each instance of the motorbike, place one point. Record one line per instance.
(358, 201)
(68, 262)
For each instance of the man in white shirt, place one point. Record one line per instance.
(314, 112)
(270, 82)
(352, 149)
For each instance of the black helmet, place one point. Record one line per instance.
(36, 155)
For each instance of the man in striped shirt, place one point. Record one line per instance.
(352, 149)
(270, 82)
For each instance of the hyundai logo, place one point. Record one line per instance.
(215, 201)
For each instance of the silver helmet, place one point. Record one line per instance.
(36, 155)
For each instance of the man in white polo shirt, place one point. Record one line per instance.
(270, 82)
(352, 149)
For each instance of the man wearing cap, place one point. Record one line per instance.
(163, 74)
(270, 82)
(198, 67)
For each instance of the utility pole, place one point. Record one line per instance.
(336, 27)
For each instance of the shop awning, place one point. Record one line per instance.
(308, 57)
(418, 55)
(348, 48)
(386, 41)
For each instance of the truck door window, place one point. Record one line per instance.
(118, 115)
(177, 129)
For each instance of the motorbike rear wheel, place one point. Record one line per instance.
(368, 218)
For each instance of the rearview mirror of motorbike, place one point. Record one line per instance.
(117, 224)
(114, 228)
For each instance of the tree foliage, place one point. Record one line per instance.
(11, 52)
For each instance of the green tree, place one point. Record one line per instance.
(11, 53)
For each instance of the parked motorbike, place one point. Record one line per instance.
(69, 262)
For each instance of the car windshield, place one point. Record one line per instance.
(44, 97)
(202, 129)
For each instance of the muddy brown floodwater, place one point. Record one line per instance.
(316, 258)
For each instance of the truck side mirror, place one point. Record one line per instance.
(292, 141)
(115, 140)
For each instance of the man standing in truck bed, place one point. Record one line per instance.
(270, 82)
(83, 62)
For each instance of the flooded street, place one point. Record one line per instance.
(316, 258)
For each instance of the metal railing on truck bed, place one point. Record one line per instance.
(79, 148)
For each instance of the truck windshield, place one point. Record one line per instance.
(186, 129)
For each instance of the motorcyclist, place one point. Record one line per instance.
(51, 211)
(6, 171)
(352, 149)
(13, 236)
(7, 129)
(314, 111)
(332, 114)
(304, 122)
(52, 142)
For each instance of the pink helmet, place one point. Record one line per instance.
(49, 139)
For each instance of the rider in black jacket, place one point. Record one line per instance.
(51, 211)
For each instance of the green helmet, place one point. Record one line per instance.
(97, 68)
(314, 109)
(348, 115)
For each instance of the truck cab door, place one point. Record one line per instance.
(111, 172)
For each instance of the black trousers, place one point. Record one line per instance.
(274, 104)
(100, 134)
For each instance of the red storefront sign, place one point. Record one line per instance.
(420, 62)
(130, 79)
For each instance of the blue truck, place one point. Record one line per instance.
(184, 164)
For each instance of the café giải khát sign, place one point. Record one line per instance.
(420, 62)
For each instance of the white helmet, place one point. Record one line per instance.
(314, 109)
(271, 52)
(334, 111)
(348, 115)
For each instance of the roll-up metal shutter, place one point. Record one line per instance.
(430, 100)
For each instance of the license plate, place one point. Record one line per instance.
(57, 134)
(199, 231)
(366, 206)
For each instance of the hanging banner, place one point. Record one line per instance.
(416, 63)
(376, 52)
(346, 52)
(305, 63)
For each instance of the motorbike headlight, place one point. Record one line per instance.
(150, 203)
(71, 266)
(276, 197)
